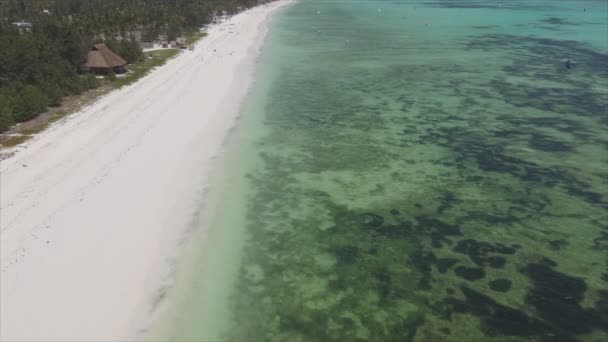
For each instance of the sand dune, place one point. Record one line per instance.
(92, 209)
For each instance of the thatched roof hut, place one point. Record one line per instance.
(101, 59)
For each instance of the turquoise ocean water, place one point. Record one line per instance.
(414, 171)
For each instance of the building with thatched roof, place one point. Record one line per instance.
(102, 60)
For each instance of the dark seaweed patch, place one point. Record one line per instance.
(407, 329)
(558, 21)
(600, 243)
(498, 319)
(558, 100)
(500, 285)
(601, 305)
(493, 158)
(496, 261)
(588, 196)
(430, 224)
(447, 201)
(312, 326)
(437, 230)
(505, 133)
(478, 250)
(401, 230)
(493, 219)
(544, 143)
(422, 262)
(470, 273)
(540, 53)
(383, 282)
(558, 244)
(444, 264)
(556, 298)
(559, 123)
(346, 254)
(546, 27)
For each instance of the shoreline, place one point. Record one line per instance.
(200, 245)
(196, 303)
(83, 257)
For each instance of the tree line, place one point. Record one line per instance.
(38, 68)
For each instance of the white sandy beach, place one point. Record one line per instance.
(93, 208)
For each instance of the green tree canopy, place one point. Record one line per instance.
(40, 67)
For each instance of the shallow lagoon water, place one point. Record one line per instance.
(417, 170)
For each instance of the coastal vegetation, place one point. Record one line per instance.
(149, 61)
(39, 66)
(194, 37)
